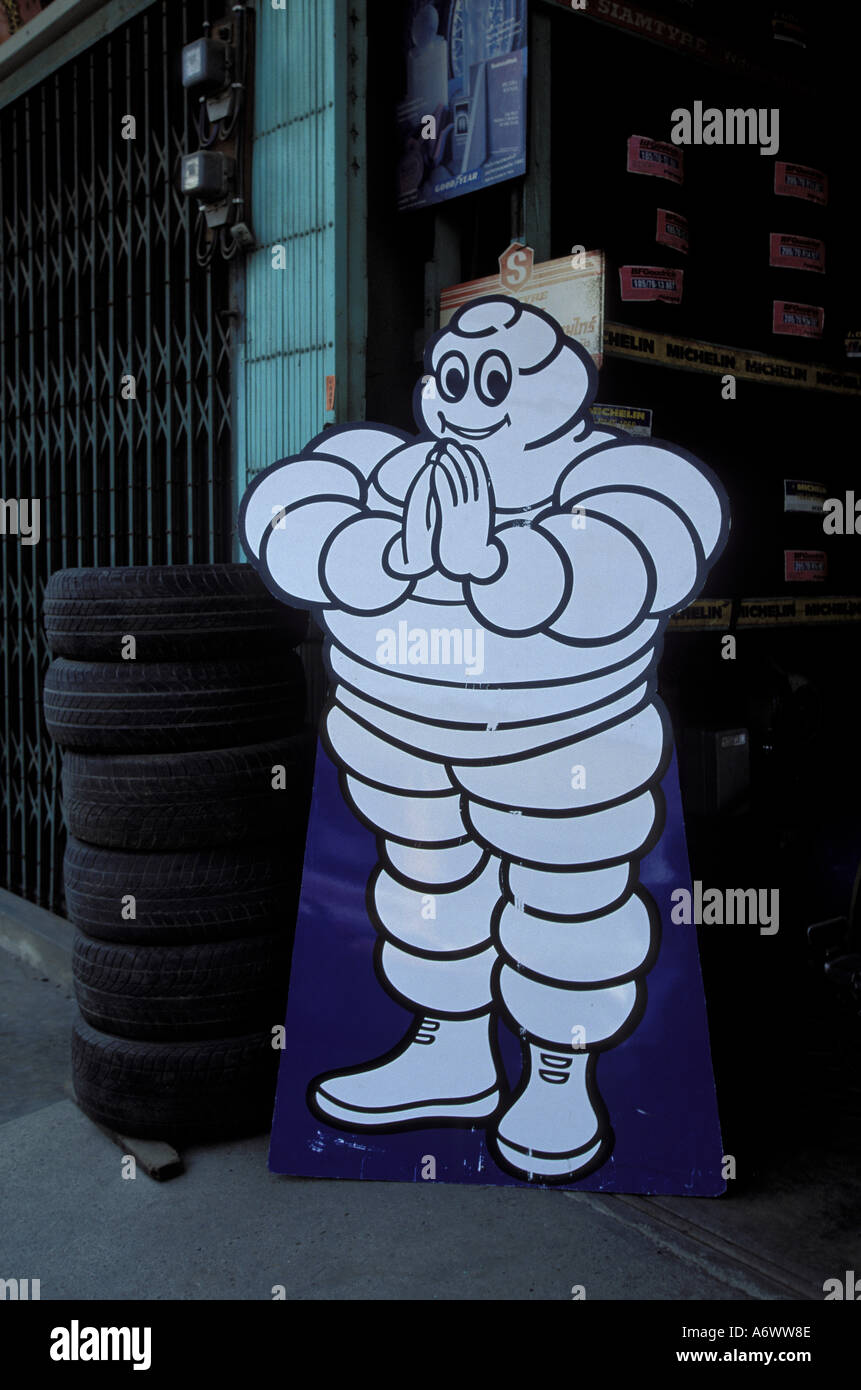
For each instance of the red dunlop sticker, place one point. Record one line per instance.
(797, 181)
(802, 566)
(655, 157)
(672, 230)
(795, 252)
(651, 282)
(802, 320)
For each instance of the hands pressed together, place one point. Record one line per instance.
(448, 523)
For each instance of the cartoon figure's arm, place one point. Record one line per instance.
(308, 525)
(665, 498)
(631, 534)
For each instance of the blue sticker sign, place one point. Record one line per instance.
(486, 973)
(462, 122)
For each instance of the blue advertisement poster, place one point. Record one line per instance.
(462, 121)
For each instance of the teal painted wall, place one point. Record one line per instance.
(286, 343)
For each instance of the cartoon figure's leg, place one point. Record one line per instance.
(431, 898)
(574, 932)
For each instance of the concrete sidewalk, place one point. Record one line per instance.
(229, 1229)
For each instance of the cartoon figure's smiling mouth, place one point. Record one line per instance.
(474, 434)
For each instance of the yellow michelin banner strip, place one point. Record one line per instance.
(714, 613)
(694, 356)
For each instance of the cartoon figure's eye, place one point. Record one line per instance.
(453, 376)
(493, 378)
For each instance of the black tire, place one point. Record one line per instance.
(175, 1091)
(195, 896)
(165, 801)
(155, 706)
(179, 993)
(174, 612)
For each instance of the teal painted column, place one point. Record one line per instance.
(301, 294)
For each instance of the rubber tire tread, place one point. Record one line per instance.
(178, 993)
(181, 898)
(160, 706)
(174, 612)
(181, 1092)
(197, 800)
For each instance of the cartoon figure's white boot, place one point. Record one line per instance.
(443, 1070)
(554, 1130)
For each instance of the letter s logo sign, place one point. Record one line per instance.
(515, 266)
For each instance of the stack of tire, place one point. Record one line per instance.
(178, 699)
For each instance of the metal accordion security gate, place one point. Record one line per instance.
(115, 373)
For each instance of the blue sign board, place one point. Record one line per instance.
(657, 1084)
(462, 122)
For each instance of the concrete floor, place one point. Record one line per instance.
(228, 1229)
(35, 1018)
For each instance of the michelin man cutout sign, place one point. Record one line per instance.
(493, 592)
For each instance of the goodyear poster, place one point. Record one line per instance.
(462, 121)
